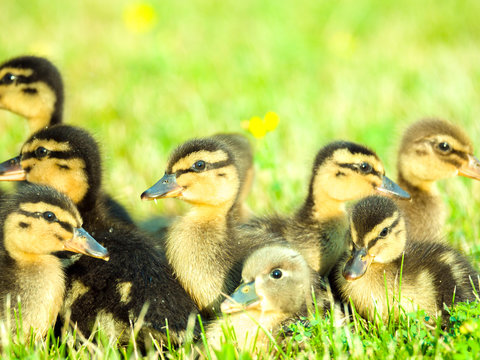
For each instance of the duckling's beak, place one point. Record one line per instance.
(471, 169)
(83, 243)
(389, 187)
(166, 187)
(244, 297)
(357, 265)
(11, 170)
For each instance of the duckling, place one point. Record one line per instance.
(432, 273)
(431, 150)
(342, 171)
(201, 245)
(35, 222)
(277, 289)
(32, 87)
(137, 274)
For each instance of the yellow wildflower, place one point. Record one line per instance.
(256, 126)
(139, 17)
(259, 127)
(271, 121)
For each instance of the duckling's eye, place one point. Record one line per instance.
(444, 146)
(365, 168)
(199, 165)
(49, 216)
(276, 274)
(7, 79)
(384, 232)
(41, 152)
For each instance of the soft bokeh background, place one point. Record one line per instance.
(146, 76)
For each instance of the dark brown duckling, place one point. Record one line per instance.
(431, 150)
(32, 87)
(342, 171)
(201, 245)
(432, 275)
(35, 222)
(68, 158)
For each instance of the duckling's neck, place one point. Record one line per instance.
(412, 183)
(322, 208)
(198, 249)
(42, 283)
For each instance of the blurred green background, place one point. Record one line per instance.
(146, 76)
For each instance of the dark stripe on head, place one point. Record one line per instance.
(197, 145)
(53, 155)
(371, 211)
(355, 168)
(208, 166)
(39, 215)
(374, 241)
(327, 151)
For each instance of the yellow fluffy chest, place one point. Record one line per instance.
(200, 259)
(41, 288)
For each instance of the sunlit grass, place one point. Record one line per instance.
(145, 76)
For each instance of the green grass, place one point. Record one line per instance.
(359, 70)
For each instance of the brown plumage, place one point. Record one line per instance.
(431, 150)
(201, 245)
(35, 222)
(137, 274)
(277, 288)
(432, 275)
(342, 171)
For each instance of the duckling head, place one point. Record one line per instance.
(62, 156)
(345, 171)
(201, 172)
(434, 149)
(276, 279)
(32, 87)
(378, 235)
(39, 220)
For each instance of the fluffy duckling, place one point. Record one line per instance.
(137, 274)
(241, 147)
(431, 150)
(201, 245)
(342, 171)
(35, 222)
(432, 275)
(32, 87)
(277, 288)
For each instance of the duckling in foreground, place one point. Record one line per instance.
(137, 274)
(431, 150)
(32, 87)
(35, 222)
(277, 288)
(201, 246)
(342, 171)
(432, 274)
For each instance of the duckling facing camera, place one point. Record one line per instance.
(137, 274)
(201, 246)
(342, 171)
(431, 150)
(35, 222)
(417, 273)
(277, 289)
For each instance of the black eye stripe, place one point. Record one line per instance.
(374, 241)
(52, 154)
(208, 166)
(355, 168)
(38, 215)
